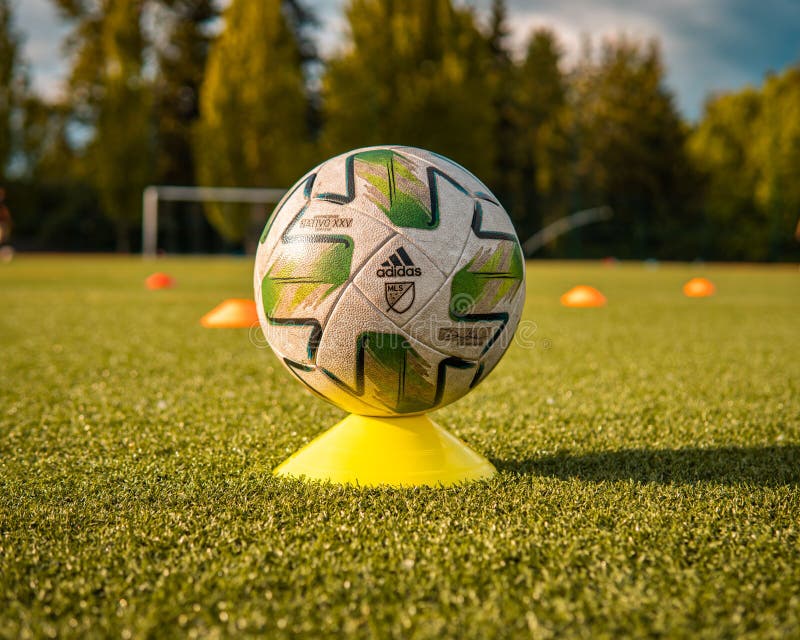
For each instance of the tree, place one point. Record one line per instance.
(720, 149)
(776, 151)
(181, 54)
(503, 80)
(113, 98)
(253, 128)
(414, 72)
(748, 146)
(44, 147)
(631, 153)
(9, 82)
(541, 141)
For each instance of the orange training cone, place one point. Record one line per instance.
(231, 314)
(583, 296)
(159, 280)
(699, 288)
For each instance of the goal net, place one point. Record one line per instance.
(154, 197)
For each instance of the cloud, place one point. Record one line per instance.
(708, 46)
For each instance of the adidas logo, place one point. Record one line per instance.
(399, 265)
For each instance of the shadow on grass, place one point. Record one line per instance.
(766, 466)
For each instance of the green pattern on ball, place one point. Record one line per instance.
(488, 278)
(292, 281)
(395, 189)
(398, 373)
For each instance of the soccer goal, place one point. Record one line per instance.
(154, 194)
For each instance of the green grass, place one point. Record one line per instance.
(649, 458)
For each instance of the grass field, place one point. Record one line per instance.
(649, 458)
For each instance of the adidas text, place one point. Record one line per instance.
(398, 272)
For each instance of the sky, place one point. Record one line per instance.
(708, 45)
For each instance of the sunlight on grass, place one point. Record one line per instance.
(649, 458)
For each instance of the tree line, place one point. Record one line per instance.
(175, 92)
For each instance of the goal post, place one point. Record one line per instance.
(154, 194)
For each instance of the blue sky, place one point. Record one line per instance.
(709, 45)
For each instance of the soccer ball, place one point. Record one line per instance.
(389, 281)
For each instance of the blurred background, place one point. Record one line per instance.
(683, 118)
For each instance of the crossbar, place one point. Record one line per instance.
(173, 193)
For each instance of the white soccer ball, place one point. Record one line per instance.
(389, 280)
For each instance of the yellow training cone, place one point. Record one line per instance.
(231, 314)
(583, 296)
(699, 288)
(400, 452)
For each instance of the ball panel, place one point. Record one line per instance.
(309, 266)
(374, 361)
(399, 280)
(303, 274)
(282, 215)
(320, 383)
(318, 222)
(404, 192)
(434, 327)
(490, 279)
(491, 221)
(496, 351)
(444, 241)
(351, 317)
(462, 175)
(396, 185)
(379, 182)
(297, 341)
(332, 177)
(476, 304)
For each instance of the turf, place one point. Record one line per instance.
(649, 458)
